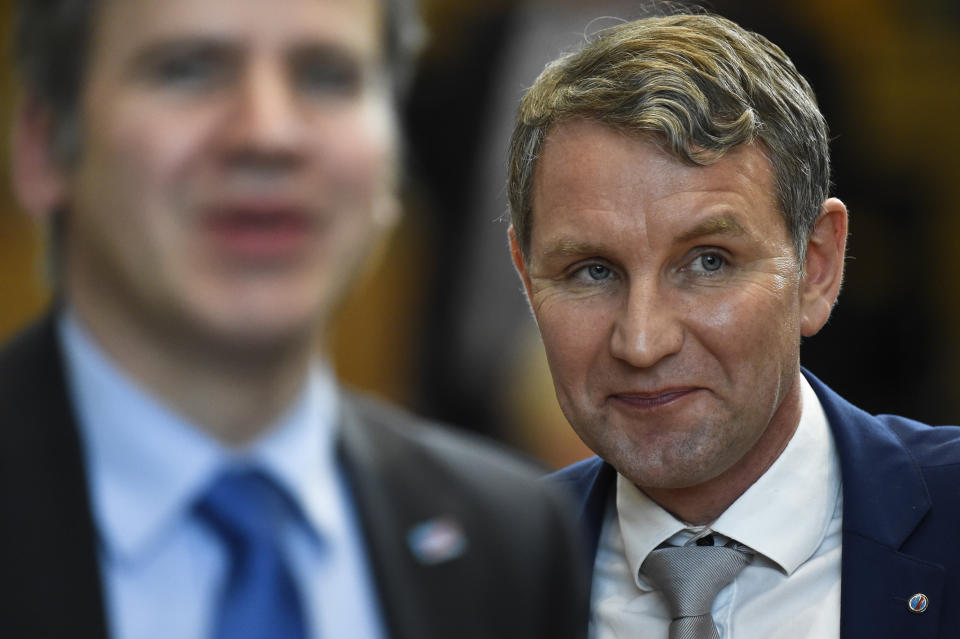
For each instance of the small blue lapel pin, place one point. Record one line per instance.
(918, 603)
(437, 540)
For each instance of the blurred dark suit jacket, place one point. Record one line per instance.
(519, 577)
(901, 519)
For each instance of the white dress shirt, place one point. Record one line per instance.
(790, 518)
(162, 567)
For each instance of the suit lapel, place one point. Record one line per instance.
(48, 546)
(592, 482)
(876, 585)
(371, 468)
(884, 500)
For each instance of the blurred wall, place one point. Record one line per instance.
(22, 293)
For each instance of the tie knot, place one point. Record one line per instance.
(245, 507)
(691, 576)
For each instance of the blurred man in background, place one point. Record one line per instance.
(672, 227)
(176, 461)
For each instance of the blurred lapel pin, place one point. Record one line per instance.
(437, 540)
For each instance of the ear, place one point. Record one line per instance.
(39, 182)
(517, 255)
(823, 267)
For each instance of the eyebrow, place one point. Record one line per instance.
(156, 52)
(571, 248)
(724, 225)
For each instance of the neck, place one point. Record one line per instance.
(232, 391)
(704, 503)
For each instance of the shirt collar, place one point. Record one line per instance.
(299, 453)
(784, 515)
(136, 447)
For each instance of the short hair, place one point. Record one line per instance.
(699, 85)
(52, 40)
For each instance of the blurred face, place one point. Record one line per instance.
(236, 163)
(669, 301)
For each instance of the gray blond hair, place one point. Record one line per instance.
(700, 85)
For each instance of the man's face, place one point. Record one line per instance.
(236, 162)
(669, 301)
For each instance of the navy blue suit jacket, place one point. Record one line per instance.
(901, 519)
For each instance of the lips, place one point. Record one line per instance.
(655, 399)
(259, 230)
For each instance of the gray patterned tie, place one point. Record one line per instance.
(690, 578)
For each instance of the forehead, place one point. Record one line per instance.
(124, 27)
(589, 171)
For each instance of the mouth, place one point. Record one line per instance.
(259, 230)
(654, 399)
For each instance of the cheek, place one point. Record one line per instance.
(575, 339)
(755, 329)
(756, 304)
(722, 316)
(357, 150)
(150, 144)
(141, 170)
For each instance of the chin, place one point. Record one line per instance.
(261, 311)
(666, 463)
(246, 332)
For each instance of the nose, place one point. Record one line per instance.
(265, 124)
(648, 327)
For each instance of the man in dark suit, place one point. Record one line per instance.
(672, 227)
(175, 460)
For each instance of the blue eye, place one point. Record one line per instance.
(709, 262)
(598, 272)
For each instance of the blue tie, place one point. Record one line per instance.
(259, 599)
